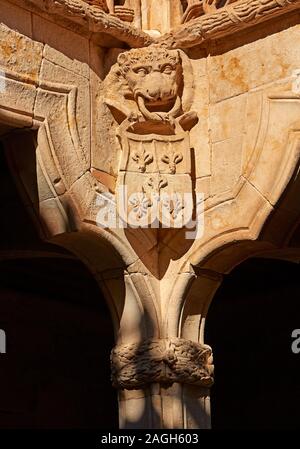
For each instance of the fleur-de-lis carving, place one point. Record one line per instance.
(172, 160)
(174, 204)
(157, 183)
(143, 159)
(140, 203)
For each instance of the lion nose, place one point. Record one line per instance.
(153, 93)
(155, 85)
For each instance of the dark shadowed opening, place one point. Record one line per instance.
(249, 326)
(55, 372)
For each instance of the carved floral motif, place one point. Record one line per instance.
(140, 204)
(172, 160)
(173, 204)
(142, 159)
(157, 183)
(136, 365)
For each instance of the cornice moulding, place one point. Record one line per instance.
(91, 20)
(88, 20)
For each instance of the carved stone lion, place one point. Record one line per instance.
(147, 91)
(153, 79)
(147, 85)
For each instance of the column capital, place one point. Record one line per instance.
(164, 361)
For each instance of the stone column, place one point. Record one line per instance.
(163, 383)
(160, 364)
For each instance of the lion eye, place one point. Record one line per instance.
(141, 71)
(167, 69)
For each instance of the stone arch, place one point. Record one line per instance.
(59, 221)
(276, 237)
(64, 188)
(251, 218)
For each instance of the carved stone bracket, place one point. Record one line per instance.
(163, 361)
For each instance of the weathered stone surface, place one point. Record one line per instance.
(199, 135)
(218, 122)
(255, 64)
(20, 54)
(65, 42)
(227, 118)
(77, 109)
(226, 164)
(161, 361)
(19, 95)
(16, 18)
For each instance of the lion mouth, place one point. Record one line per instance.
(157, 115)
(156, 96)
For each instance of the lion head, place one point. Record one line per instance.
(152, 78)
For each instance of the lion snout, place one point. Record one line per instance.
(156, 95)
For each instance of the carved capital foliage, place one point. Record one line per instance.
(163, 361)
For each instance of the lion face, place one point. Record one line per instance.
(153, 77)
